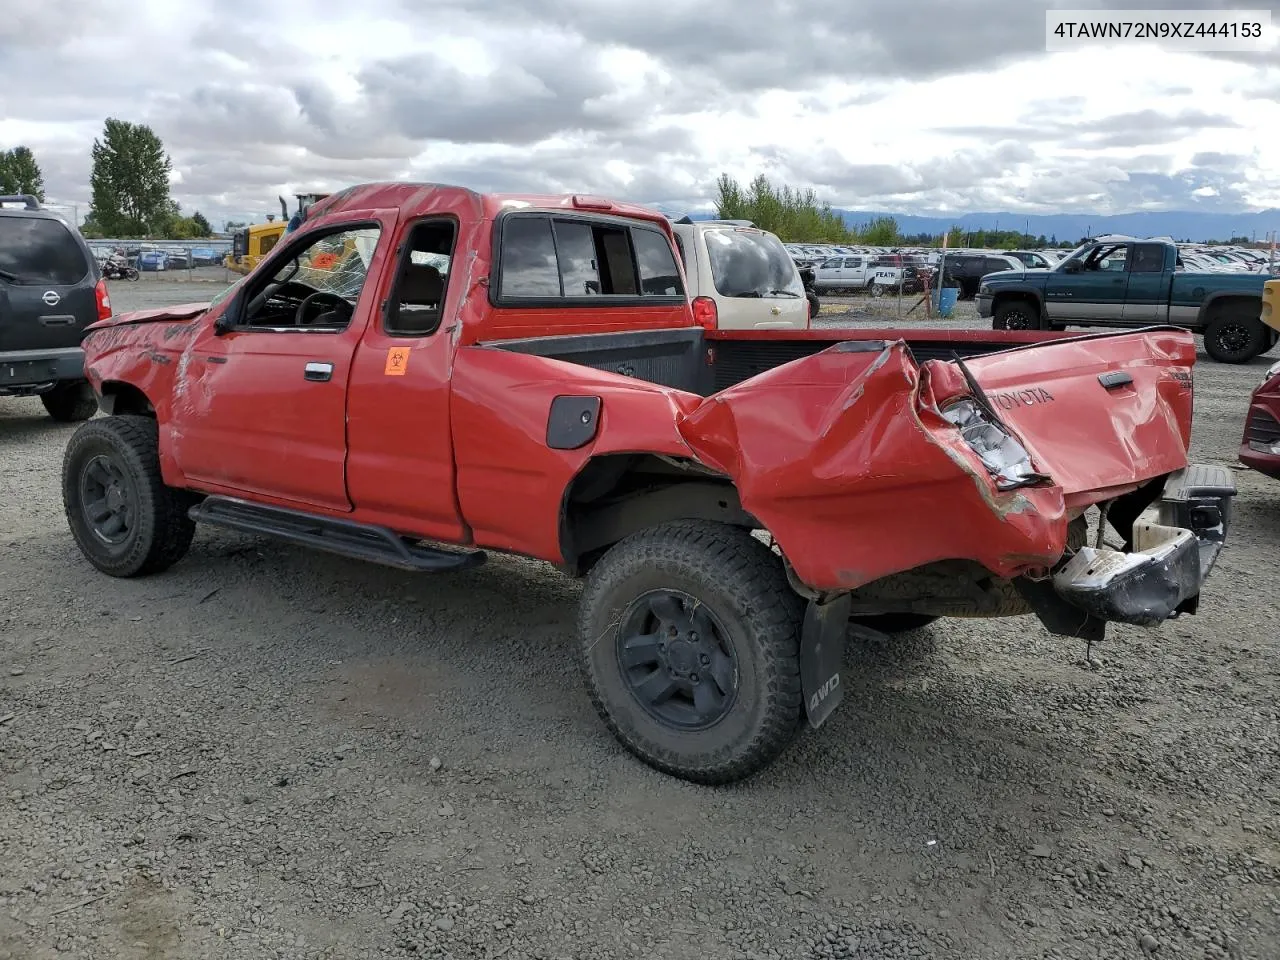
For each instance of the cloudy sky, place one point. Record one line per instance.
(914, 106)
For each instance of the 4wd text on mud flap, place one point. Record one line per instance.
(1022, 398)
(824, 691)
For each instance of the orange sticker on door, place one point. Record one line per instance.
(397, 362)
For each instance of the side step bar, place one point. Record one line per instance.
(360, 541)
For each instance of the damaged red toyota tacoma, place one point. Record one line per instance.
(420, 374)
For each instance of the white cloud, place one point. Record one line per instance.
(934, 105)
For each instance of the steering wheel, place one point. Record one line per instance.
(300, 318)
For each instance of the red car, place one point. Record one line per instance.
(419, 374)
(1260, 448)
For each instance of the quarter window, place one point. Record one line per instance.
(568, 258)
(529, 258)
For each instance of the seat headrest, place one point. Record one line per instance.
(421, 284)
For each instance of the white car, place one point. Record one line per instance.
(741, 277)
(843, 273)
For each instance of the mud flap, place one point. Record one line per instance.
(821, 654)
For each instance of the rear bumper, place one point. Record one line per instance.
(1176, 543)
(34, 371)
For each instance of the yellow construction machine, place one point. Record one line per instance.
(250, 244)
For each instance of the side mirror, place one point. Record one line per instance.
(1071, 266)
(223, 324)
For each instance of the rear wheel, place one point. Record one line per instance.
(123, 517)
(70, 402)
(1015, 315)
(1235, 338)
(878, 289)
(690, 640)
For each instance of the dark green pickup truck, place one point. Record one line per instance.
(1126, 282)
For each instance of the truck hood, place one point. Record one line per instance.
(181, 311)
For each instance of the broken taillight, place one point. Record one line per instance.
(1005, 458)
(705, 314)
(103, 298)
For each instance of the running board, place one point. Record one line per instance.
(346, 538)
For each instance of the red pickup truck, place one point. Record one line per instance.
(419, 374)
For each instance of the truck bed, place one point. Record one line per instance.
(706, 362)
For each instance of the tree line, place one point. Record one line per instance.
(798, 216)
(129, 182)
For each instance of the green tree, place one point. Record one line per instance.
(880, 232)
(201, 224)
(19, 173)
(130, 181)
(794, 215)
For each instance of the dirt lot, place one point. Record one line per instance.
(267, 752)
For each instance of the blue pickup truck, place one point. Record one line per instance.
(1127, 282)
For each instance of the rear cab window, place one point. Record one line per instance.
(555, 259)
(750, 263)
(40, 251)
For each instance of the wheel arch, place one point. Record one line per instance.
(117, 397)
(1000, 297)
(615, 495)
(1223, 301)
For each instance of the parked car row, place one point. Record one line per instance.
(151, 258)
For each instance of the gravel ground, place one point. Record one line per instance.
(267, 752)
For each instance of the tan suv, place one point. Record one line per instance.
(740, 277)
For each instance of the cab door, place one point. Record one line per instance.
(400, 468)
(1147, 293)
(1092, 288)
(260, 407)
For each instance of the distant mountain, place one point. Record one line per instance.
(1069, 227)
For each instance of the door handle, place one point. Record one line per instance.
(317, 371)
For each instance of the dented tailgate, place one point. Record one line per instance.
(1097, 412)
(848, 458)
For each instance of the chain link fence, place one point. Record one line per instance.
(169, 261)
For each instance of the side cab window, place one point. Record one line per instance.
(1148, 258)
(314, 286)
(547, 259)
(417, 298)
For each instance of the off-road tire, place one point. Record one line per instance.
(1235, 337)
(894, 623)
(70, 402)
(160, 531)
(1016, 315)
(742, 583)
(815, 305)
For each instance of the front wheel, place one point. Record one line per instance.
(125, 520)
(1235, 338)
(690, 639)
(131, 274)
(815, 305)
(877, 290)
(1015, 315)
(70, 402)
